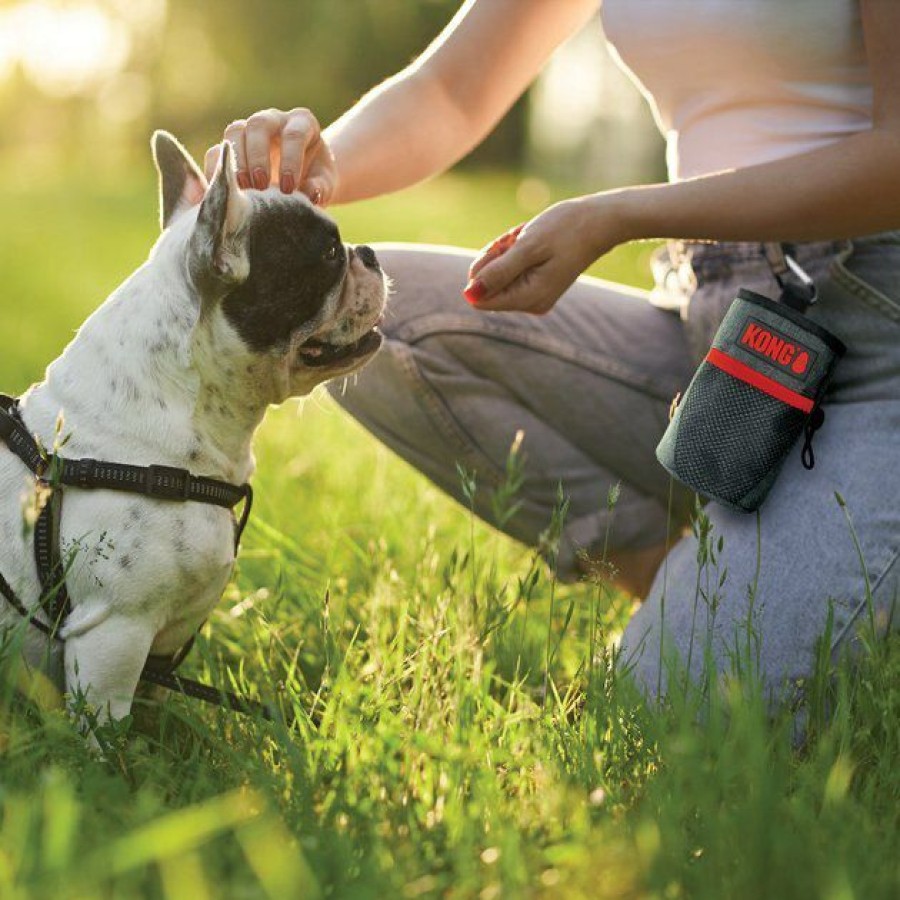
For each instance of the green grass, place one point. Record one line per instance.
(428, 759)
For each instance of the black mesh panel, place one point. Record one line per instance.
(731, 435)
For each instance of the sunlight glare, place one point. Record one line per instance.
(63, 50)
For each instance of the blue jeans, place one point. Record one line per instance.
(590, 386)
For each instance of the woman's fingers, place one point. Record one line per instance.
(211, 160)
(234, 134)
(530, 268)
(498, 270)
(261, 132)
(529, 292)
(284, 147)
(494, 249)
(300, 140)
(319, 183)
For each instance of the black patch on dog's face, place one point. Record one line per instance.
(296, 261)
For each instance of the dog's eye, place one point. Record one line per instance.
(333, 252)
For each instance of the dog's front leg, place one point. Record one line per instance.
(104, 663)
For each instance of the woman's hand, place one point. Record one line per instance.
(283, 148)
(529, 268)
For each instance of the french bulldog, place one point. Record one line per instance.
(247, 298)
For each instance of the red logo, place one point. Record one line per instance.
(784, 352)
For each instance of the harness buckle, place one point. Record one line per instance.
(168, 483)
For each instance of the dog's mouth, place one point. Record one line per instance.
(315, 353)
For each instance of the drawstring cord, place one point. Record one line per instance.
(798, 291)
(813, 424)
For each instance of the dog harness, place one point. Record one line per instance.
(52, 473)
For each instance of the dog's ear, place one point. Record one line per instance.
(218, 245)
(181, 183)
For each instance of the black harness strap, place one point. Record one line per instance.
(206, 692)
(51, 572)
(158, 482)
(19, 607)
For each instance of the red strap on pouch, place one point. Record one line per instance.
(761, 382)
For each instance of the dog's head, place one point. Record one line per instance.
(276, 286)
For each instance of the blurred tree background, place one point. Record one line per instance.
(84, 82)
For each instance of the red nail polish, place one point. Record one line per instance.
(316, 197)
(475, 290)
(243, 180)
(260, 179)
(287, 183)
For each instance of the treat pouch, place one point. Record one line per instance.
(756, 392)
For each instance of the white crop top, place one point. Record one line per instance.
(738, 82)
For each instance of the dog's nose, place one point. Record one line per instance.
(367, 256)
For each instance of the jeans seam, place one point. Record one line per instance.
(445, 420)
(876, 583)
(548, 346)
(861, 289)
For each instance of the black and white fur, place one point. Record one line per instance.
(247, 298)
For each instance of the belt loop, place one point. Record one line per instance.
(776, 258)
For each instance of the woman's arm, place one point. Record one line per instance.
(436, 110)
(422, 120)
(848, 188)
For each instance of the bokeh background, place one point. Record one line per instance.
(83, 83)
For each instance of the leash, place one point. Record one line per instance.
(158, 482)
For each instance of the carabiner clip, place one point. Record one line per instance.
(798, 290)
